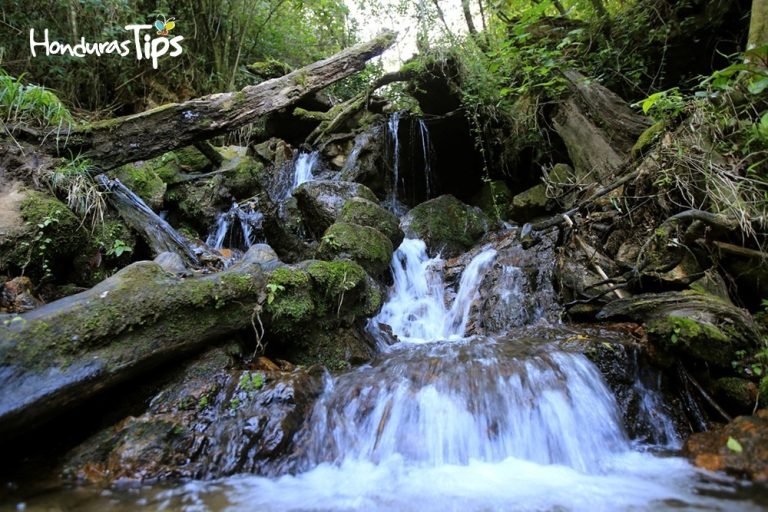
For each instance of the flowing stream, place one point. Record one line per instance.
(248, 222)
(441, 421)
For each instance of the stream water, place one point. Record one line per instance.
(443, 421)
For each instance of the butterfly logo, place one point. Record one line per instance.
(165, 25)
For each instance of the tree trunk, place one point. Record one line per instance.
(115, 142)
(758, 24)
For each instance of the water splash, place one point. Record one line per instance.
(416, 310)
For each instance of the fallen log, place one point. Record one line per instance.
(111, 143)
(160, 236)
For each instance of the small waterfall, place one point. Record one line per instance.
(451, 403)
(426, 148)
(245, 218)
(416, 310)
(393, 127)
(305, 162)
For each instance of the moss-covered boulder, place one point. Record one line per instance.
(46, 242)
(367, 213)
(692, 325)
(493, 198)
(142, 179)
(198, 203)
(245, 175)
(530, 204)
(329, 292)
(365, 245)
(321, 201)
(446, 225)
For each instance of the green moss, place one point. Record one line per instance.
(244, 175)
(142, 179)
(686, 335)
(446, 224)
(362, 244)
(530, 204)
(648, 138)
(292, 303)
(367, 213)
(52, 235)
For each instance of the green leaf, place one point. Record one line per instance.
(734, 445)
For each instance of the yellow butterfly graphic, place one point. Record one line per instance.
(164, 26)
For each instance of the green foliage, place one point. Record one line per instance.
(250, 382)
(663, 105)
(119, 248)
(734, 445)
(30, 105)
(272, 290)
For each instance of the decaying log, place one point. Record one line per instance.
(114, 142)
(69, 350)
(160, 236)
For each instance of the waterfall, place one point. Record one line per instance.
(247, 219)
(416, 310)
(305, 162)
(426, 153)
(394, 125)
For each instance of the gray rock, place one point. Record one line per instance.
(321, 201)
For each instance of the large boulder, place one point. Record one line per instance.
(321, 201)
(368, 213)
(143, 181)
(530, 204)
(365, 245)
(448, 226)
(739, 448)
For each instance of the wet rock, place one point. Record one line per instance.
(448, 226)
(516, 289)
(365, 161)
(530, 204)
(16, 296)
(321, 201)
(367, 213)
(245, 176)
(698, 326)
(736, 395)
(336, 350)
(262, 254)
(362, 244)
(171, 262)
(212, 421)
(712, 283)
(739, 448)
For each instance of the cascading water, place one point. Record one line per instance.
(393, 126)
(245, 218)
(416, 310)
(303, 167)
(426, 154)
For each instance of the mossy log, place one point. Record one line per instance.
(69, 350)
(114, 142)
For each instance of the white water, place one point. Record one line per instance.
(393, 127)
(249, 222)
(416, 309)
(426, 153)
(302, 169)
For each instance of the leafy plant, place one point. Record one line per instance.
(272, 290)
(119, 248)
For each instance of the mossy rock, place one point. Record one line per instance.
(337, 350)
(493, 199)
(245, 176)
(319, 291)
(530, 204)
(446, 225)
(197, 203)
(367, 213)
(142, 179)
(321, 201)
(696, 338)
(363, 244)
(737, 395)
(108, 240)
(50, 237)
